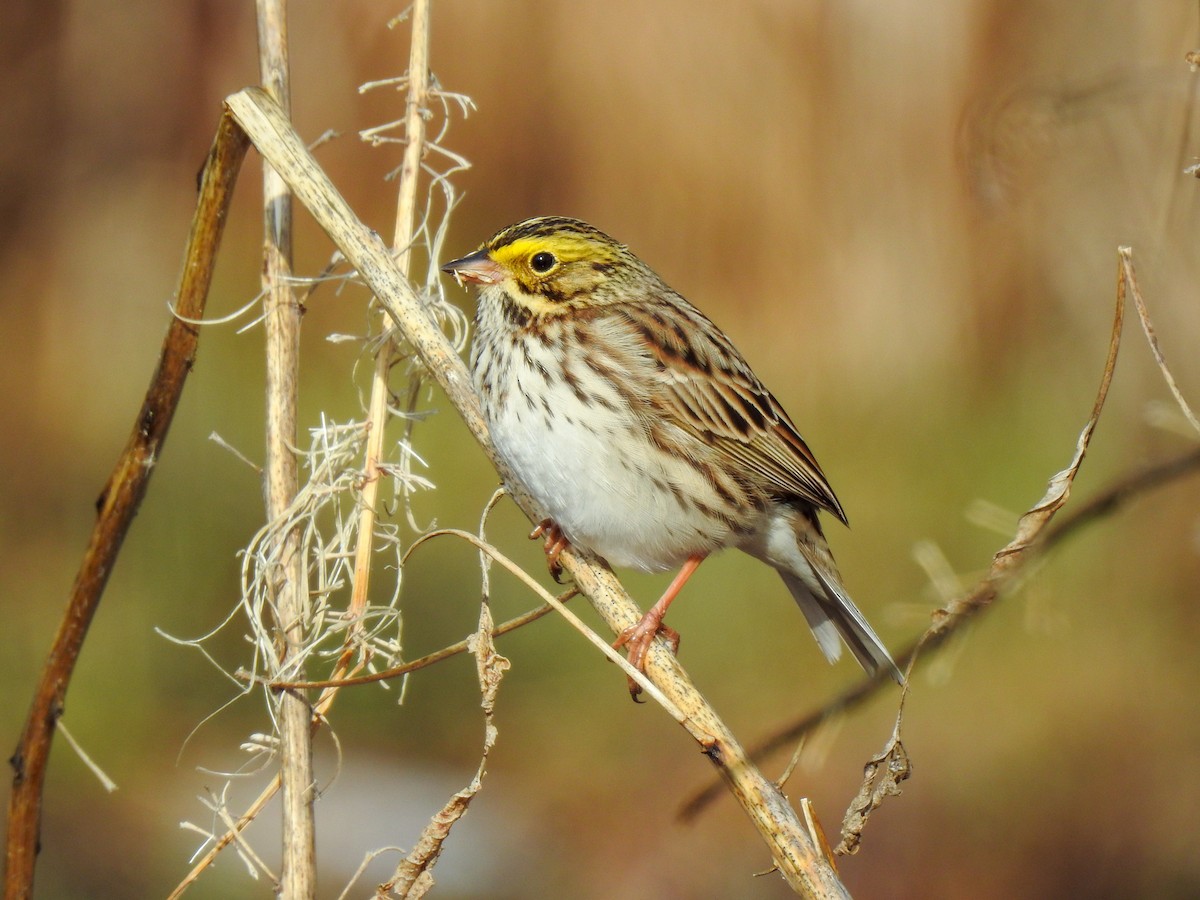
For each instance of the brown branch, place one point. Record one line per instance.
(1160, 360)
(116, 508)
(402, 239)
(425, 661)
(1119, 494)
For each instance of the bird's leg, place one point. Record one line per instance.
(638, 637)
(556, 543)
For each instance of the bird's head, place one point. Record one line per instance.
(551, 265)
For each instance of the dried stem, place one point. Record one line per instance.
(231, 836)
(377, 415)
(116, 508)
(422, 662)
(288, 586)
(794, 851)
(1139, 302)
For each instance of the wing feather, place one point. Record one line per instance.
(709, 390)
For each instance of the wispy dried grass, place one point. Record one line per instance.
(333, 518)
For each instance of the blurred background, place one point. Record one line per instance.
(907, 219)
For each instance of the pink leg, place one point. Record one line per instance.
(639, 637)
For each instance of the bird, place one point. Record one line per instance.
(642, 432)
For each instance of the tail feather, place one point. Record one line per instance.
(793, 544)
(834, 618)
(823, 629)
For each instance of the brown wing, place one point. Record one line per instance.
(711, 391)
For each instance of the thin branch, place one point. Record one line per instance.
(795, 853)
(116, 508)
(231, 836)
(1152, 339)
(422, 662)
(1119, 494)
(288, 585)
(599, 643)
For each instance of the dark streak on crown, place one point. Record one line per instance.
(543, 227)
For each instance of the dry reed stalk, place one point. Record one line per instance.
(288, 585)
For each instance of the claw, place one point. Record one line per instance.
(556, 543)
(638, 639)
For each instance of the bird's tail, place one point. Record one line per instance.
(817, 587)
(834, 618)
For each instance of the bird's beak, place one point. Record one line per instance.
(478, 268)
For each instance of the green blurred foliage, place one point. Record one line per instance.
(906, 218)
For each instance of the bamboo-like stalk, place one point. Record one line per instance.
(794, 851)
(288, 586)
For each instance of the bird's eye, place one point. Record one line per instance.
(542, 262)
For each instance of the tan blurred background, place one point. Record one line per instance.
(905, 214)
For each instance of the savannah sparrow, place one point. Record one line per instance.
(641, 431)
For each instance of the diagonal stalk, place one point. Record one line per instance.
(117, 506)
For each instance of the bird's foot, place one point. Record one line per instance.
(638, 639)
(556, 543)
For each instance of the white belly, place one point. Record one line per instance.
(597, 477)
